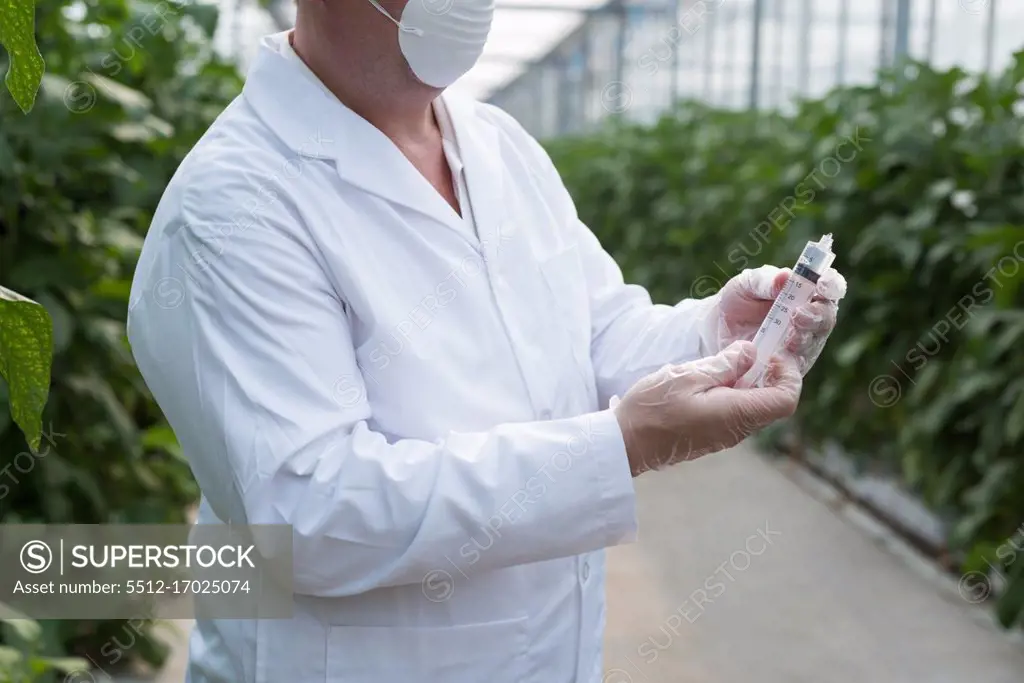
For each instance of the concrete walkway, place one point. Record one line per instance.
(746, 571)
(704, 597)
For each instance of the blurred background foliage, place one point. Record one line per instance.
(922, 207)
(130, 86)
(921, 181)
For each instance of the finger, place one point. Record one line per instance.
(753, 409)
(660, 386)
(783, 374)
(818, 317)
(800, 342)
(781, 278)
(831, 285)
(757, 284)
(727, 366)
(765, 405)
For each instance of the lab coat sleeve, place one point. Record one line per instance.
(630, 336)
(257, 364)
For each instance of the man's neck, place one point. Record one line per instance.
(399, 111)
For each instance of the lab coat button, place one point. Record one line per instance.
(545, 414)
(586, 571)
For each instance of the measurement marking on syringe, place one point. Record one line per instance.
(815, 259)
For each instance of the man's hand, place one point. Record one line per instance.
(683, 412)
(745, 299)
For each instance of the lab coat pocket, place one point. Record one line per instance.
(491, 652)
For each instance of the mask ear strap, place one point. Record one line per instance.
(401, 27)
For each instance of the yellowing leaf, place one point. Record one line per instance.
(17, 35)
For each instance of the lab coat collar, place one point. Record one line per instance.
(293, 108)
(314, 124)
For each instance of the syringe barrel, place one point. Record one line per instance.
(813, 262)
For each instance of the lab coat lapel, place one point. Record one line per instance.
(301, 112)
(480, 144)
(481, 158)
(375, 164)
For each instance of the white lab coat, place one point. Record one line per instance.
(429, 412)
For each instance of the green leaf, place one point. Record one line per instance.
(205, 15)
(17, 35)
(11, 661)
(110, 288)
(1010, 607)
(852, 349)
(62, 321)
(161, 437)
(129, 98)
(26, 350)
(941, 189)
(5, 415)
(1015, 420)
(66, 665)
(116, 414)
(966, 528)
(142, 131)
(24, 629)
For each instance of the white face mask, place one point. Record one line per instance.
(442, 39)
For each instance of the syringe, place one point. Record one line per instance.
(798, 290)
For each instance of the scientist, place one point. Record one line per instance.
(368, 310)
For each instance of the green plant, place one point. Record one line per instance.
(129, 88)
(26, 341)
(22, 661)
(920, 178)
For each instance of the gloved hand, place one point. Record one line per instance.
(741, 305)
(683, 412)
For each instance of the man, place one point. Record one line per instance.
(368, 310)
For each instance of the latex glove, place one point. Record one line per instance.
(744, 301)
(683, 412)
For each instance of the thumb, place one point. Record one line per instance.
(727, 366)
(776, 400)
(783, 374)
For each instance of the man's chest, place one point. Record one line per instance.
(497, 328)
